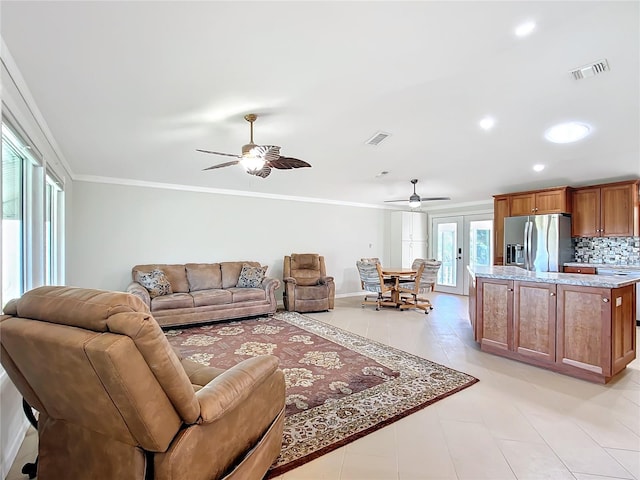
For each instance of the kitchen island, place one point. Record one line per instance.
(575, 324)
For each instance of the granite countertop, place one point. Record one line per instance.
(608, 266)
(517, 273)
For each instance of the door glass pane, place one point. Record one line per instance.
(447, 243)
(12, 223)
(480, 242)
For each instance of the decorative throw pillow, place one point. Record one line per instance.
(156, 282)
(251, 277)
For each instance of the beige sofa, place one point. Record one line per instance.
(205, 292)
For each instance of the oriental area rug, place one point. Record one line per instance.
(339, 386)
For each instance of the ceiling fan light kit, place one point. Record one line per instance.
(258, 160)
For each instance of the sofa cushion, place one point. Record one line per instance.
(216, 296)
(251, 277)
(175, 273)
(242, 294)
(168, 302)
(155, 281)
(231, 272)
(203, 276)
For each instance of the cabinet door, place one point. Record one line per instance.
(495, 313)
(619, 210)
(534, 321)
(585, 220)
(411, 251)
(500, 212)
(552, 201)
(418, 227)
(583, 337)
(522, 204)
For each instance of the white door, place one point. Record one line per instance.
(457, 242)
(447, 247)
(478, 232)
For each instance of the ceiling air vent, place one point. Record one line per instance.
(377, 138)
(590, 70)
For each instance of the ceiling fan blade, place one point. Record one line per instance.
(219, 153)
(225, 164)
(267, 152)
(427, 199)
(286, 163)
(393, 201)
(263, 172)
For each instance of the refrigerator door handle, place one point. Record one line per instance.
(526, 245)
(530, 245)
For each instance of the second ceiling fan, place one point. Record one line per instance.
(415, 200)
(258, 160)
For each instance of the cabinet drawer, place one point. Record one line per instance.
(586, 270)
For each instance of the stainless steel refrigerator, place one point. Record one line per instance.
(538, 242)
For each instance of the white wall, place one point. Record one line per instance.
(118, 226)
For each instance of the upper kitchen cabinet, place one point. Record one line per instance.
(609, 210)
(553, 200)
(536, 202)
(500, 212)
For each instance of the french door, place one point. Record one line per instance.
(459, 241)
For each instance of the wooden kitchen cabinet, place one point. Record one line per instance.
(500, 212)
(534, 321)
(556, 200)
(592, 341)
(495, 314)
(609, 210)
(517, 319)
(586, 332)
(537, 202)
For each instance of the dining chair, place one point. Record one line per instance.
(372, 280)
(423, 282)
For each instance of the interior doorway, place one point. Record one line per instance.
(459, 241)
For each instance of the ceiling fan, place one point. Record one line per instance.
(258, 160)
(415, 200)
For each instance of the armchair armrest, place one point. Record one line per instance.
(139, 291)
(290, 280)
(270, 283)
(234, 386)
(325, 280)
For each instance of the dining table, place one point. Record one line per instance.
(398, 274)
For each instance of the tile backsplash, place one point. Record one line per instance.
(610, 250)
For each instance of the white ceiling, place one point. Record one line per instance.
(131, 89)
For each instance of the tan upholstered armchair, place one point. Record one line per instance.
(307, 288)
(116, 402)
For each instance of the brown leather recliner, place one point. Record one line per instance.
(307, 288)
(116, 402)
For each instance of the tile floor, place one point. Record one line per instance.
(519, 422)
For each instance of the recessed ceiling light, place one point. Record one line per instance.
(567, 132)
(525, 29)
(487, 123)
(538, 167)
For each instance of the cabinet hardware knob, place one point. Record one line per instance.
(552, 294)
(605, 300)
(510, 289)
